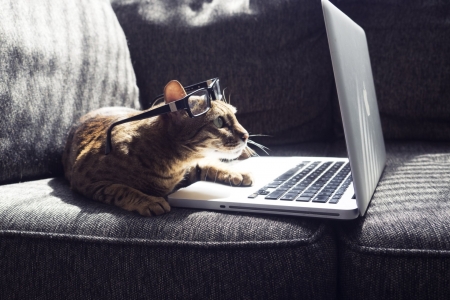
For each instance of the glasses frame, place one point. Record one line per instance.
(208, 84)
(181, 104)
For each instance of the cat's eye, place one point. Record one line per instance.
(219, 122)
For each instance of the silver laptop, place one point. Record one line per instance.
(323, 187)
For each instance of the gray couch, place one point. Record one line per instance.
(61, 59)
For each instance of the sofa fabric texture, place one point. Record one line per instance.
(403, 240)
(58, 60)
(92, 248)
(82, 270)
(283, 70)
(408, 44)
(246, 254)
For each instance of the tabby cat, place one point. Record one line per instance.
(152, 157)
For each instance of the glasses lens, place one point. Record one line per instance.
(198, 102)
(216, 89)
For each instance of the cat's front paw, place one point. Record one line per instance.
(153, 206)
(239, 179)
(226, 176)
(133, 200)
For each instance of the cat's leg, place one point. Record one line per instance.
(132, 200)
(191, 175)
(223, 173)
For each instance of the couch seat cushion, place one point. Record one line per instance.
(403, 240)
(186, 253)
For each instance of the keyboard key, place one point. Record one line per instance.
(324, 193)
(308, 194)
(303, 199)
(254, 195)
(321, 199)
(263, 192)
(289, 196)
(341, 190)
(274, 184)
(287, 185)
(275, 195)
(282, 188)
(334, 200)
(282, 178)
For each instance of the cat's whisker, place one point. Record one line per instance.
(215, 178)
(224, 99)
(257, 144)
(263, 148)
(252, 135)
(206, 175)
(251, 152)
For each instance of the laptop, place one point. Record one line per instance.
(323, 187)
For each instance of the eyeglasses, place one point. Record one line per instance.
(196, 104)
(212, 85)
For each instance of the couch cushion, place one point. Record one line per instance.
(58, 60)
(272, 57)
(408, 44)
(401, 248)
(70, 243)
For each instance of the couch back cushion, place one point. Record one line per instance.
(271, 56)
(58, 60)
(409, 50)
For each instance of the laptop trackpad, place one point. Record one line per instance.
(264, 169)
(204, 190)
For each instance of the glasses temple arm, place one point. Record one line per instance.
(147, 114)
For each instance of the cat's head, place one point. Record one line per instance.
(216, 134)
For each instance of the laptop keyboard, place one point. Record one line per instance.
(317, 181)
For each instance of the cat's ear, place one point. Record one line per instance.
(173, 91)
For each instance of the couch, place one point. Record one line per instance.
(61, 59)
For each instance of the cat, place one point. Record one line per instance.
(152, 157)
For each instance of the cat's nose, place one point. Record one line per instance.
(245, 137)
